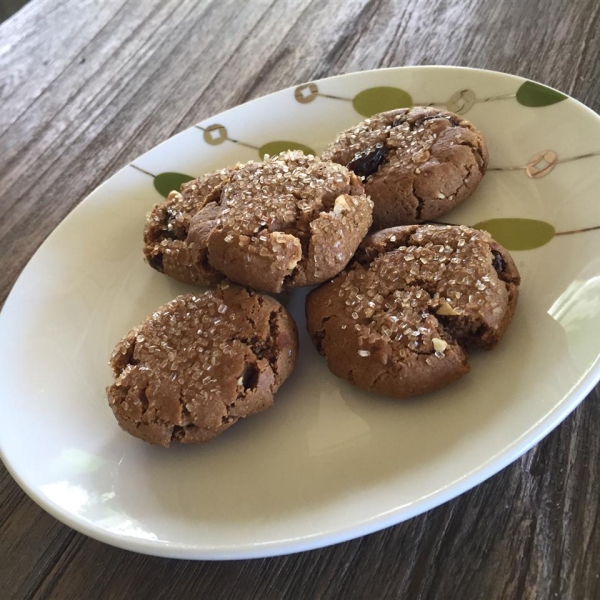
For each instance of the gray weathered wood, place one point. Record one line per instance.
(87, 86)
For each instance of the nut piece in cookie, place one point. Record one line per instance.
(171, 245)
(416, 164)
(200, 363)
(292, 220)
(400, 319)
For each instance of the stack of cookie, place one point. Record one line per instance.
(395, 311)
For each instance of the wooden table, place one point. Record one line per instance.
(86, 86)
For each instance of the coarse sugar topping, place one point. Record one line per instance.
(433, 274)
(284, 193)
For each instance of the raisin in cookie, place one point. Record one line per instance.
(417, 164)
(169, 245)
(200, 363)
(292, 220)
(400, 319)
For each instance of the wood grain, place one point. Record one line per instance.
(87, 86)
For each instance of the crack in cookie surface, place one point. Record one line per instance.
(415, 295)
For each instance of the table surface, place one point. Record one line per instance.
(87, 86)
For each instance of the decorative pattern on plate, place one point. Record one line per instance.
(379, 99)
(542, 163)
(513, 233)
(523, 234)
(216, 134)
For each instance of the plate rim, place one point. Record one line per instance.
(399, 514)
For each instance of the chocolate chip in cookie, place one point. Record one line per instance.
(200, 363)
(401, 318)
(416, 164)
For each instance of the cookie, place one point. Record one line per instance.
(169, 247)
(292, 220)
(401, 318)
(201, 363)
(416, 164)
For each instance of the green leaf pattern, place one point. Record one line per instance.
(518, 234)
(272, 148)
(374, 100)
(165, 183)
(535, 95)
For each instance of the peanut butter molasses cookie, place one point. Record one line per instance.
(400, 319)
(200, 363)
(292, 220)
(417, 164)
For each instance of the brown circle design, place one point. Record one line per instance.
(541, 164)
(461, 102)
(215, 134)
(300, 93)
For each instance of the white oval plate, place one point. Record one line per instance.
(328, 462)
